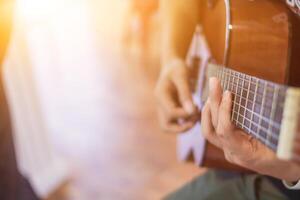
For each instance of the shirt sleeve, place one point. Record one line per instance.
(292, 186)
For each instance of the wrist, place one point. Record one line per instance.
(172, 61)
(173, 65)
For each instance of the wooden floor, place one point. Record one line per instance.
(117, 150)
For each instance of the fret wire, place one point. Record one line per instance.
(250, 82)
(231, 81)
(254, 98)
(267, 90)
(258, 115)
(246, 103)
(239, 87)
(262, 107)
(243, 86)
(254, 134)
(254, 103)
(232, 115)
(275, 136)
(236, 91)
(239, 108)
(228, 77)
(273, 146)
(274, 102)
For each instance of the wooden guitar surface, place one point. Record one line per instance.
(258, 38)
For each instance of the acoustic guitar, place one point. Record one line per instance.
(253, 47)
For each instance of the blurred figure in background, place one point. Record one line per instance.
(138, 25)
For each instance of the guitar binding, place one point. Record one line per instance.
(289, 125)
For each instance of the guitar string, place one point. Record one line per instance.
(270, 123)
(256, 134)
(259, 85)
(249, 80)
(259, 137)
(227, 80)
(264, 118)
(245, 118)
(276, 124)
(254, 101)
(246, 99)
(240, 101)
(245, 103)
(256, 124)
(274, 101)
(256, 105)
(232, 116)
(261, 111)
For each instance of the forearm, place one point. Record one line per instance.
(180, 18)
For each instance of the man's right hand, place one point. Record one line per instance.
(177, 112)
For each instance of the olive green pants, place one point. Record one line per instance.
(219, 185)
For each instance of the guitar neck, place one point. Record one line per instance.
(258, 105)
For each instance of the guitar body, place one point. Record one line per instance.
(253, 37)
(259, 38)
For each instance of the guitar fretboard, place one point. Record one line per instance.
(257, 104)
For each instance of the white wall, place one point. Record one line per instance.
(52, 43)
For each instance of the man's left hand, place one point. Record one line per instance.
(239, 147)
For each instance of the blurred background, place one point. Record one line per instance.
(80, 76)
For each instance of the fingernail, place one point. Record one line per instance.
(189, 107)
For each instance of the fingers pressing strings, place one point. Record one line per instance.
(233, 138)
(207, 127)
(215, 97)
(225, 127)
